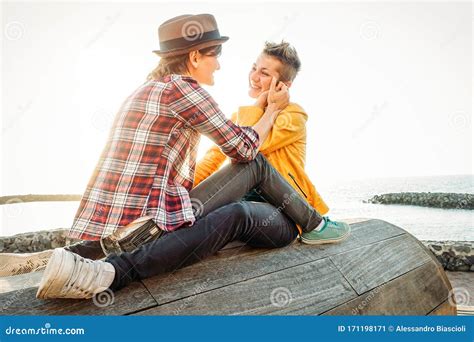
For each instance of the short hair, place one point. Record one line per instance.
(287, 55)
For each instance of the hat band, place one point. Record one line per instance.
(184, 42)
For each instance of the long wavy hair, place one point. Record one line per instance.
(179, 64)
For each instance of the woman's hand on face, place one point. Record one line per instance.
(262, 99)
(278, 95)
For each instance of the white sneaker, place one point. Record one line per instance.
(69, 275)
(12, 264)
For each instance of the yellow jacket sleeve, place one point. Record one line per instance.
(211, 162)
(289, 126)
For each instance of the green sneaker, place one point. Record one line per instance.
(331, 232)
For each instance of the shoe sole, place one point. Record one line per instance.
(323, 242)
(16, 263)
(55, 275)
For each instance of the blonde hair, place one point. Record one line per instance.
(170, 65)
(179, 64)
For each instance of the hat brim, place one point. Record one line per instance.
(198, 46)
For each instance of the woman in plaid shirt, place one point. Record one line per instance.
(147, 168)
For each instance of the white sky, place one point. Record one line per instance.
(387, 86)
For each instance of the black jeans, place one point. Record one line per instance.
(234, 181)
(244, 221)
(212, 207)
(227, 185)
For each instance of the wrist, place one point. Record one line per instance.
(272, 111)
(260, 105)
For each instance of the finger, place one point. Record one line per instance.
(273, 85)
(280, 86)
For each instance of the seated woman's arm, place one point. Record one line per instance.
(212, 160)
(289, 126)
(193, 105)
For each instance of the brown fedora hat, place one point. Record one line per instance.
(188, 32)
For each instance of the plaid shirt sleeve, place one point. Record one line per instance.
(195, 107)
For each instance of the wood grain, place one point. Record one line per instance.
(227, 268)
(304, 290)
(370, 266)
(23, 301)
(417, 292)
(379, 269)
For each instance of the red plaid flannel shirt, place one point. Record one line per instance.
(147, 165)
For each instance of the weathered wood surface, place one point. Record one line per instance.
(463, 287)
(379, 270)
(22, 301)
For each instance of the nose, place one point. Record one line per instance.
(254, 76)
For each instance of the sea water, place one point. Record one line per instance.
(345, 199)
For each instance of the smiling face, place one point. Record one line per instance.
(203, 64)
(204, 71)
(260, 76)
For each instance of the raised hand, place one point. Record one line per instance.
(278, 96)
(262, 99)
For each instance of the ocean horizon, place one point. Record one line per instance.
(344, 197)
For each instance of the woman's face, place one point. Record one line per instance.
(203, 67)
(260, 76)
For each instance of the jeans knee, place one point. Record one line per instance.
(233, 214)
(238, 210)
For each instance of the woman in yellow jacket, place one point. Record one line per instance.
(285, 146)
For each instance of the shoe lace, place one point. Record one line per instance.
(334, 223)
(77, 282)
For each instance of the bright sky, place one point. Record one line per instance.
(387, 86)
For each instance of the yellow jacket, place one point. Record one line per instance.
(285, 149)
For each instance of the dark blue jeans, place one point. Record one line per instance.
(222, 218)
(243, 221)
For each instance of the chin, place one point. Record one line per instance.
(253, 93)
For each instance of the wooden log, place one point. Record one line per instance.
(379, 269)
(18, 298)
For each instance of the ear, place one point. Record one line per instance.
(288, 83)
(194, 58)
